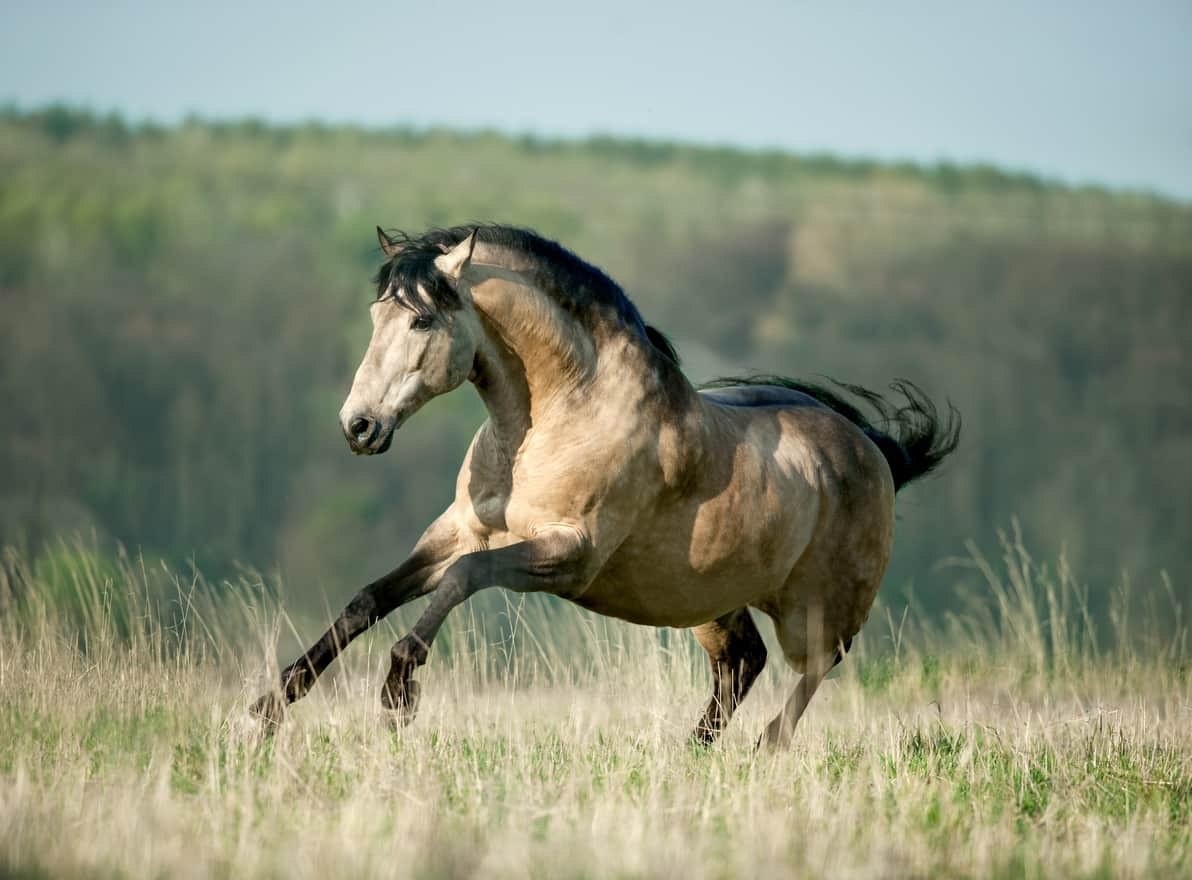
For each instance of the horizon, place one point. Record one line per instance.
(926, 168)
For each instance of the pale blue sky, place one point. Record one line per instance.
(1095, 92)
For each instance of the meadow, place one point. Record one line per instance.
(1015, 738)
(183, 308)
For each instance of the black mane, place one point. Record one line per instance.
(577, 286)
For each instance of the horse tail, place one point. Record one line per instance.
(912, 434)
(914, 437)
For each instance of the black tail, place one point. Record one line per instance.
(911, 435)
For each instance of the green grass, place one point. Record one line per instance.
(955, 753)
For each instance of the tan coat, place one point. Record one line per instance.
(604, 477)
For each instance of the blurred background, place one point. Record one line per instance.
(993, 203)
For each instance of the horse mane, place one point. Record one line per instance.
(583, 290)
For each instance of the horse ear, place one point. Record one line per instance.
(391, 247)
(455, 261)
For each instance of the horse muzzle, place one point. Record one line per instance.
(366, 435)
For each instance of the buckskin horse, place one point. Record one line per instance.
(604, 477)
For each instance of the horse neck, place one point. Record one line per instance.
(533, 358)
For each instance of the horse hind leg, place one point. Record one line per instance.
(779, 732)
(801, 635)
(737, 655)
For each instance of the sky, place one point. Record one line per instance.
(1084, 92)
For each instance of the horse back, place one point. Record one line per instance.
(759, 395)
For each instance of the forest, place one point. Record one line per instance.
(184, 306)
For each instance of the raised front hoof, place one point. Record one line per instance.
(269, 711)
(402, 702)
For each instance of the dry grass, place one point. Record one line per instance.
(1010, 746)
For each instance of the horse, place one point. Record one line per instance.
(604, 477)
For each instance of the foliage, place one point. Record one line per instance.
(183, 308)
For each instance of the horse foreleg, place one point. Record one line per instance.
(400, 692)
(738, 655)
(554, 561)
(406, 582)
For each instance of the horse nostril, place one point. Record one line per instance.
(358, 426)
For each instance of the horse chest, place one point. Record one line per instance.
(488, 513)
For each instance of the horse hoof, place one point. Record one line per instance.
(270, 711)
(402, 701)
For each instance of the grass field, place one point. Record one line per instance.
(1006, 743)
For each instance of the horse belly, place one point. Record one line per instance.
(650, 598)
(730, 539)
(702, 561)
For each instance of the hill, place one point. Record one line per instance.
(184, 307)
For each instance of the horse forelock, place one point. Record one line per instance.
(581, 289)
(412, 278)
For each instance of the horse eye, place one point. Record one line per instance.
(422, 322)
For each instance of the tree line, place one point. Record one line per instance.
(183, 308)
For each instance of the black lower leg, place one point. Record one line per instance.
(400, 693)
(369, 606)
(738, 656)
